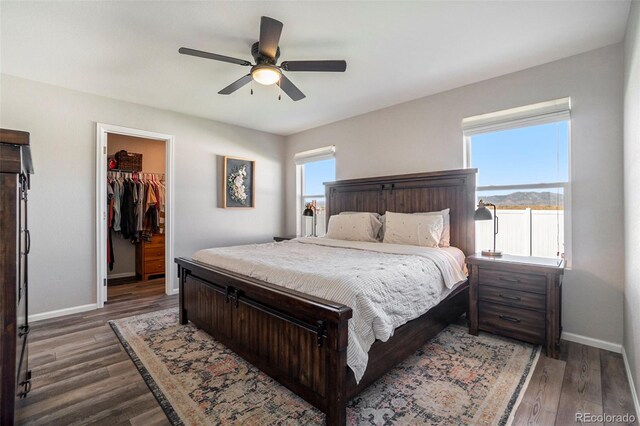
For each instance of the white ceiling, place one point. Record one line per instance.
(396, 51)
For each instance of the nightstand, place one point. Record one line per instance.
(284, 238)
(518, 297)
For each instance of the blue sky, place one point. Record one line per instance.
(535, 154)
(316, 173)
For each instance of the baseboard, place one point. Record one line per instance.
(121, 275)
(634, 393)
(174, 291)
(62, 312)
(590, 341)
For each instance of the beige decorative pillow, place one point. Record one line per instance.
(445, 238)
(413, 229)
(354, 227)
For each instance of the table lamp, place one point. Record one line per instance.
(310, 210)
(483, 213)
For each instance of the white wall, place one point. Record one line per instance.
(425, 135)
(62, 124)
(631, 193)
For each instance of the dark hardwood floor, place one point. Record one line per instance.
(585, 379)
(82, 375)
(130, 289)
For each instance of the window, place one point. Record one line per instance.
(522, 156)
(314, 168)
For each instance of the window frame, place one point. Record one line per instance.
(517, 118)
(300, 159)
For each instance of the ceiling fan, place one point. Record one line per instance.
(266, 53)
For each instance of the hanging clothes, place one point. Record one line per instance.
(140, 209)
(161, 204)
(110, 204)
(117, 193)
(127, 210)
(150, 223)
(136, 207)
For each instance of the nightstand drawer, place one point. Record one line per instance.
(511, 297)
(512, 280)
(513, 322)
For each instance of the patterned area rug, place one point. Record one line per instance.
(456, 378)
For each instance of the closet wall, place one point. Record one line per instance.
(153, 161)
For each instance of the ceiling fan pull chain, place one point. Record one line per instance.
(252, 86)
(279, 90)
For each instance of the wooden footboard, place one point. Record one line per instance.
(299, 340)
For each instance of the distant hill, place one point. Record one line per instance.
(524, 199)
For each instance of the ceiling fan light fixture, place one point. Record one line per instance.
(266, 74)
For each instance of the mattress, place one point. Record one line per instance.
(385, 285)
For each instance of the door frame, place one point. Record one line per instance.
(101, 206)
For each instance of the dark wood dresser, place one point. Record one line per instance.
(518, 297)
(150, 257)
(15, 170)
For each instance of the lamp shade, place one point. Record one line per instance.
(482, 212)
(307, 212)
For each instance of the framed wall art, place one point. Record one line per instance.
(239, 180)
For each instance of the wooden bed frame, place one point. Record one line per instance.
(301, 340)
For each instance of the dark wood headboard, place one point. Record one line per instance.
(412, 193)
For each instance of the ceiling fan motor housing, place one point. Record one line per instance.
(261, 59)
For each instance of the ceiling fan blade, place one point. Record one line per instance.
(236, 85)
(215, 57)
(290, 89)
(270, 31)
(318, 66)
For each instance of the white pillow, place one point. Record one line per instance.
(413, 229)
(377, 216)
(445, 238)
(354, 227)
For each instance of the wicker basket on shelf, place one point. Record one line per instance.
(129, 161)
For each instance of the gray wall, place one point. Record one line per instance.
(62, 203)
(425, 135)
(631, 193)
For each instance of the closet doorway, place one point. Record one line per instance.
(134, 214)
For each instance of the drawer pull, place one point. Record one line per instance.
(508, 318)
(510, 280)
(509, 297)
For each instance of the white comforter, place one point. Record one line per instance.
(386, 285)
